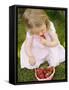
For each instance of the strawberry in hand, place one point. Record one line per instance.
(42, 36)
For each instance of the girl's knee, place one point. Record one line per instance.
(54, 64)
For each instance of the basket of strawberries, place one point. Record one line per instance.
(44, 74)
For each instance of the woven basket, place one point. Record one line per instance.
(48, 78)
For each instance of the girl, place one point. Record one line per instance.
(41, 43)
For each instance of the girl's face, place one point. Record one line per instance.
(42, 30)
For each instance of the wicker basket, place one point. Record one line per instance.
(48, 78)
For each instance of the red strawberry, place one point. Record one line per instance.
(41, 76)
(46, 75)
(45, 71)
(42, 36)
(39, 71)
(50, 69)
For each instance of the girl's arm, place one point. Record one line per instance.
(52, 43)
(28, 46)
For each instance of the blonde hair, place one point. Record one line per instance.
(35, 18)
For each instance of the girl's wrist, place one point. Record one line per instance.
(45, 42)
(30, 55)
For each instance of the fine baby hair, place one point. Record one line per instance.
(35, 18)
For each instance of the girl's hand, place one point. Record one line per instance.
(52, 43)
(32, 60)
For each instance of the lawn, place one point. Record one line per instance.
(59, 22)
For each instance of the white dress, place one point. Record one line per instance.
(53, 55)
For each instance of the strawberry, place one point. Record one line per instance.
(39, 71)
(41, 76)
(42, 36)
(47, 75)
(50, 69)
(49, 72)
(44, 71)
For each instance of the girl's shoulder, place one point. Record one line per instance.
(28, 35)
(51, 32)
(52, 27)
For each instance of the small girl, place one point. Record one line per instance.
(41, 43)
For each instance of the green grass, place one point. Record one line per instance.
(60, 72)
(28, 75)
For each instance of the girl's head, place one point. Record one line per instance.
(36, 21)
